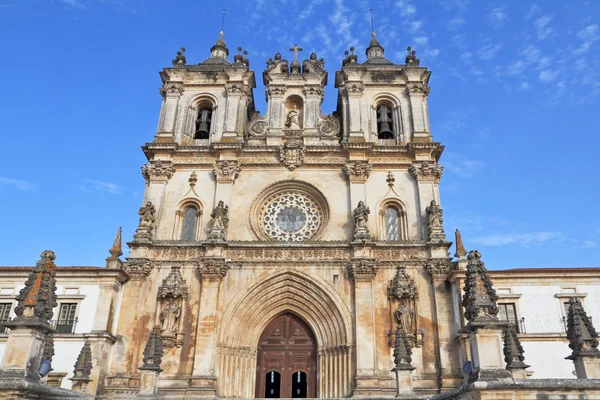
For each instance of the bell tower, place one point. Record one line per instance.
(381, 102)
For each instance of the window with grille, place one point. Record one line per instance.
(66, 318)
(190, 219)
(508, 312)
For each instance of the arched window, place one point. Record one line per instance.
(188, 226)
(392, 223)
(385, 121)
(203, 121)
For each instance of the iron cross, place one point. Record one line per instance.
(295, 49)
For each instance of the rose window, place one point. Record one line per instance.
(290, 216)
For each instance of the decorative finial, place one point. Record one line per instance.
(153, 351)
(480, 296)
(83, 365)
(193, 179)
(402, 351)
(461, 252)
(180, 59)
(411, 58)
(38, 298)
(513, 350)
(390, 179)
(116, 249)
(580, 331)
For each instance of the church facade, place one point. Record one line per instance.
(282, 255)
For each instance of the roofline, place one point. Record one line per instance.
(64, 270)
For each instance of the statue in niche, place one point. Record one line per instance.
(404, 317)
(147, 217)
(292, 121)
(169, 317)
(220, 216)
(313, 65)
(361, 217)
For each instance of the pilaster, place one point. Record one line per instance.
(226, 172)
(171, 93)
(354, 92)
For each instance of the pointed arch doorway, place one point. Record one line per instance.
(287, 359)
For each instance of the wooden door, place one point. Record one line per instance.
(287, 361)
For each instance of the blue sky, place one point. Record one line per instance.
(515, 100)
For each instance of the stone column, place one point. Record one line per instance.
(583, 340)
(420, 119)
(226, 172)
(362, 271)
(358, 172)
(354, 91)
(234, 92)
(171, 92)
(314, 96)
(275, 101)
(212, 271)
(428, 177)
(106, 307)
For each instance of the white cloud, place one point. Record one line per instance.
(74, 4)
(489, 51)
(497, 16)
(524, 85)
(99, 186)
(421, 41)
(541, 27)
(17, 183)
(521, 239)
(548, 75)
(589, 35)
(455, 23)
(533, 10)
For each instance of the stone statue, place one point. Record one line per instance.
(292, 121)
(313, 65)
(404, 317)
(147, 217)
(169, 317)
(361, 217)
(435, 221)
(220, 216)
(273, 63)
(180, 58)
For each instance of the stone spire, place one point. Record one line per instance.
(116, 250)
(480, 296)
(460, 247)
(513, 353)
(580, 331)
(82, 369)
(402, 351)
(153, 351)
(37, 299)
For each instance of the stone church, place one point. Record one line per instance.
(300, 254)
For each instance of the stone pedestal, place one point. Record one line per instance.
(79, 385)
(587, 367)
(486, 350)
(148, 384)
(23, 353)
(404, 383)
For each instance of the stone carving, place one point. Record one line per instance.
(219, 222)
(171, 295)
(438, 269)
(353, 89)
(48, 353)
(426, 172)
(362, 270)
(390, 179)
(171, 89)
(257, 126)
(403, 295)
(295, 67)
(116, 250)
(236, 89)
(402, 351)
(276, 90)
(411, 58)
(225, 170)
(480, 298)
(213, 269)
(395, 254)
(312, 65)
(435, 222)
(351, 58)
(158, 169)
(513, 350)
(146, 225)
(180, 60)
(241, 59)
(361, 218)
(153, 351)
(269, 254)
(37, 299)
(138, 268)
(328, 126)
(83, 365)
(291, 154)
(277, 63)
(581, 332)
(291, 121)
(291, 216)
(175, 252)
(193, 179)
(358, 170)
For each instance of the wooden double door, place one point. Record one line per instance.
(287, 362)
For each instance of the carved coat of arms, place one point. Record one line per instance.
(291, 154)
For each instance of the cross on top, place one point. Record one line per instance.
(295, 49)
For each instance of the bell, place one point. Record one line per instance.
(202, 132)
(385, 132)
